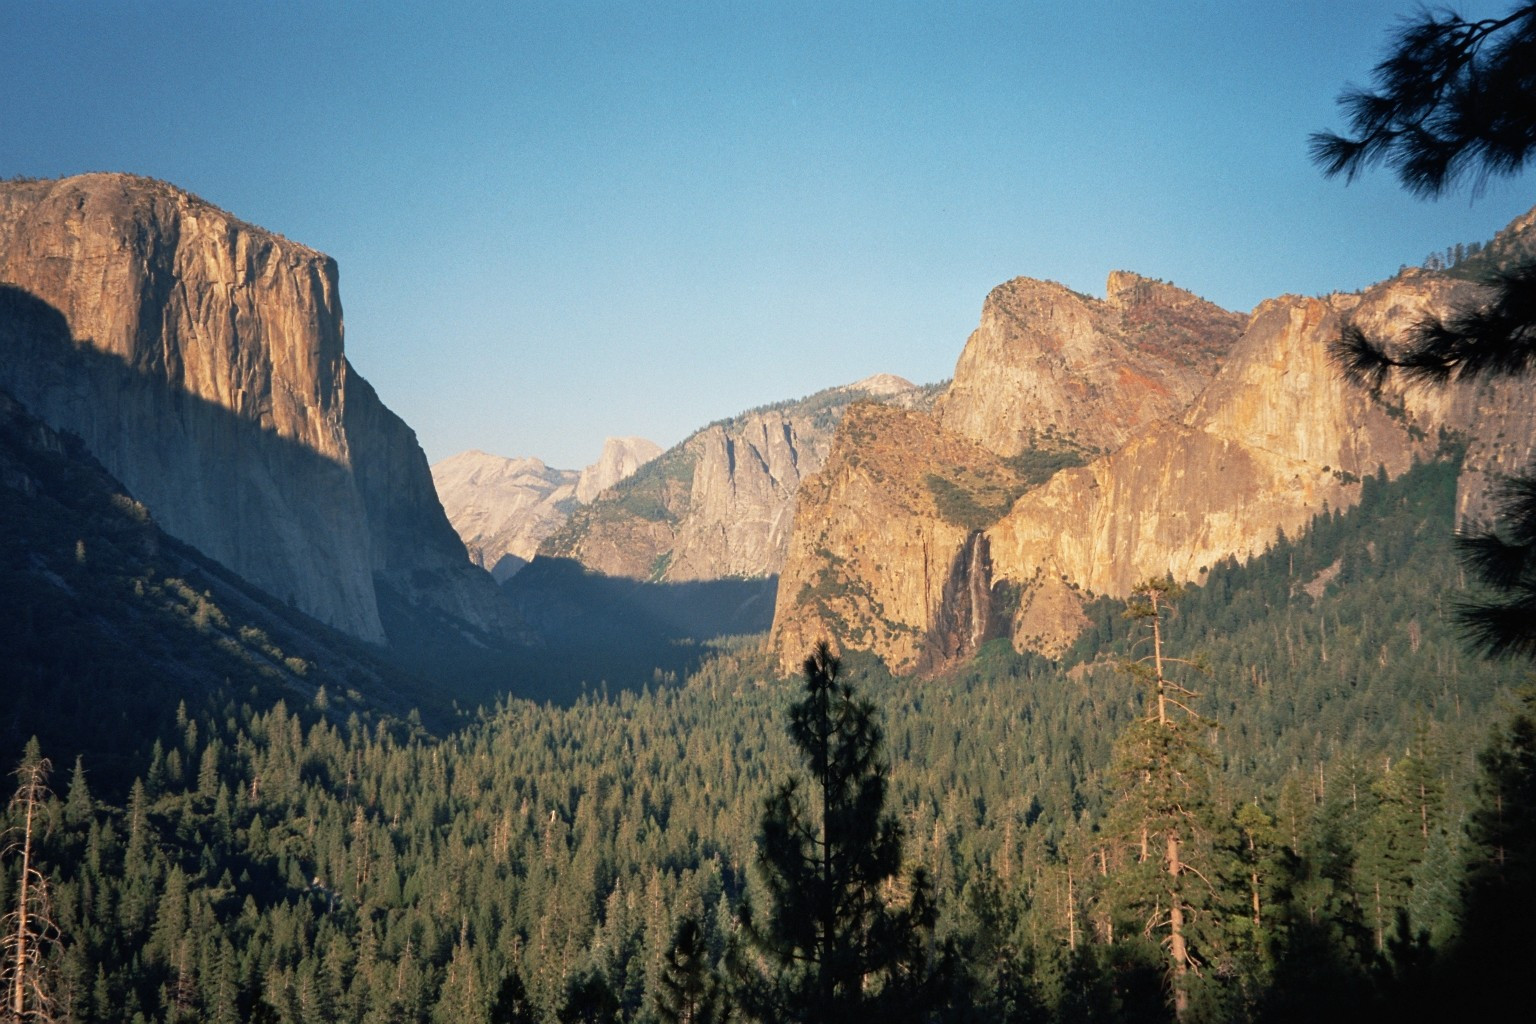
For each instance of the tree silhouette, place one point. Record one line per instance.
(835, 944)
(688, 991)
(589, 999)
(512, 1005)
(1488, 961)
(1454, 98)
(1458, 98)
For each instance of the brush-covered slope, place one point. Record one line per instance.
(201, 361)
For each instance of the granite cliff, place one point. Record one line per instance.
(1193, 467)
(886, 553)
(621, 459)
(503, 509)
(720, 504)
(1048, 366)
(201, 361)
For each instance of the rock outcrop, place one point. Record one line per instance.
(503, 509)
(883, 556)
(622, 457)
(1197, 474)
(1049, 366)
(1276, 437)
(201, 361)
(719, 504)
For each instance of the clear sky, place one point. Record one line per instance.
(558, 222)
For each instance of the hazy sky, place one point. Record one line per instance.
(559, 222)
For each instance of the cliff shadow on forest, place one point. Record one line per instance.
(610, 630)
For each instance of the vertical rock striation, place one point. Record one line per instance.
(201, 361)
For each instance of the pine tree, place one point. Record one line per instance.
(589, 999)
(1457, 97)
(28, 927)
(1163, 812)
(1492, 955)
(511, 1005)
(836, 946)
(688, 991)
(1454, 99)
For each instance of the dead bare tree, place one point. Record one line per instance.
(28, 927)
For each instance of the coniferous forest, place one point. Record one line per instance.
(1330, 817)
(1294, 792)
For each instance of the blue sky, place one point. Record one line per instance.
(560, 222)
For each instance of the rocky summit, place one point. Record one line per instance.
(1183, 435)
(1049, 366)
(503, 509)
(201, 360)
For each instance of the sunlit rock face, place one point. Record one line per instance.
(875, 561)
(720, 504)
(621, 458)
(201, 360)
(1275, 437)
(1199, 463)
(503, 509)
(1047, 364)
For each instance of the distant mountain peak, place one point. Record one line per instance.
(504, 508)
(621, 457)
(881, 385)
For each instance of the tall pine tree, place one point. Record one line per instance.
(834, 943)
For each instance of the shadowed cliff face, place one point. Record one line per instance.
(201, 361)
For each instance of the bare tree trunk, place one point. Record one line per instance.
(27, 996)
(1178, 948)
(1071, 913)
(23, 897)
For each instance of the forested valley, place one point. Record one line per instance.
(1354, 797)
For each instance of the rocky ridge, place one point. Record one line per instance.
(201, 361)
(1273, 438)
(1048, 366)
(503, 509)
(720, 504)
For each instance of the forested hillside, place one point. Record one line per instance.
(291, 861)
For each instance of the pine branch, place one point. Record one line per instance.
(1453, 97)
